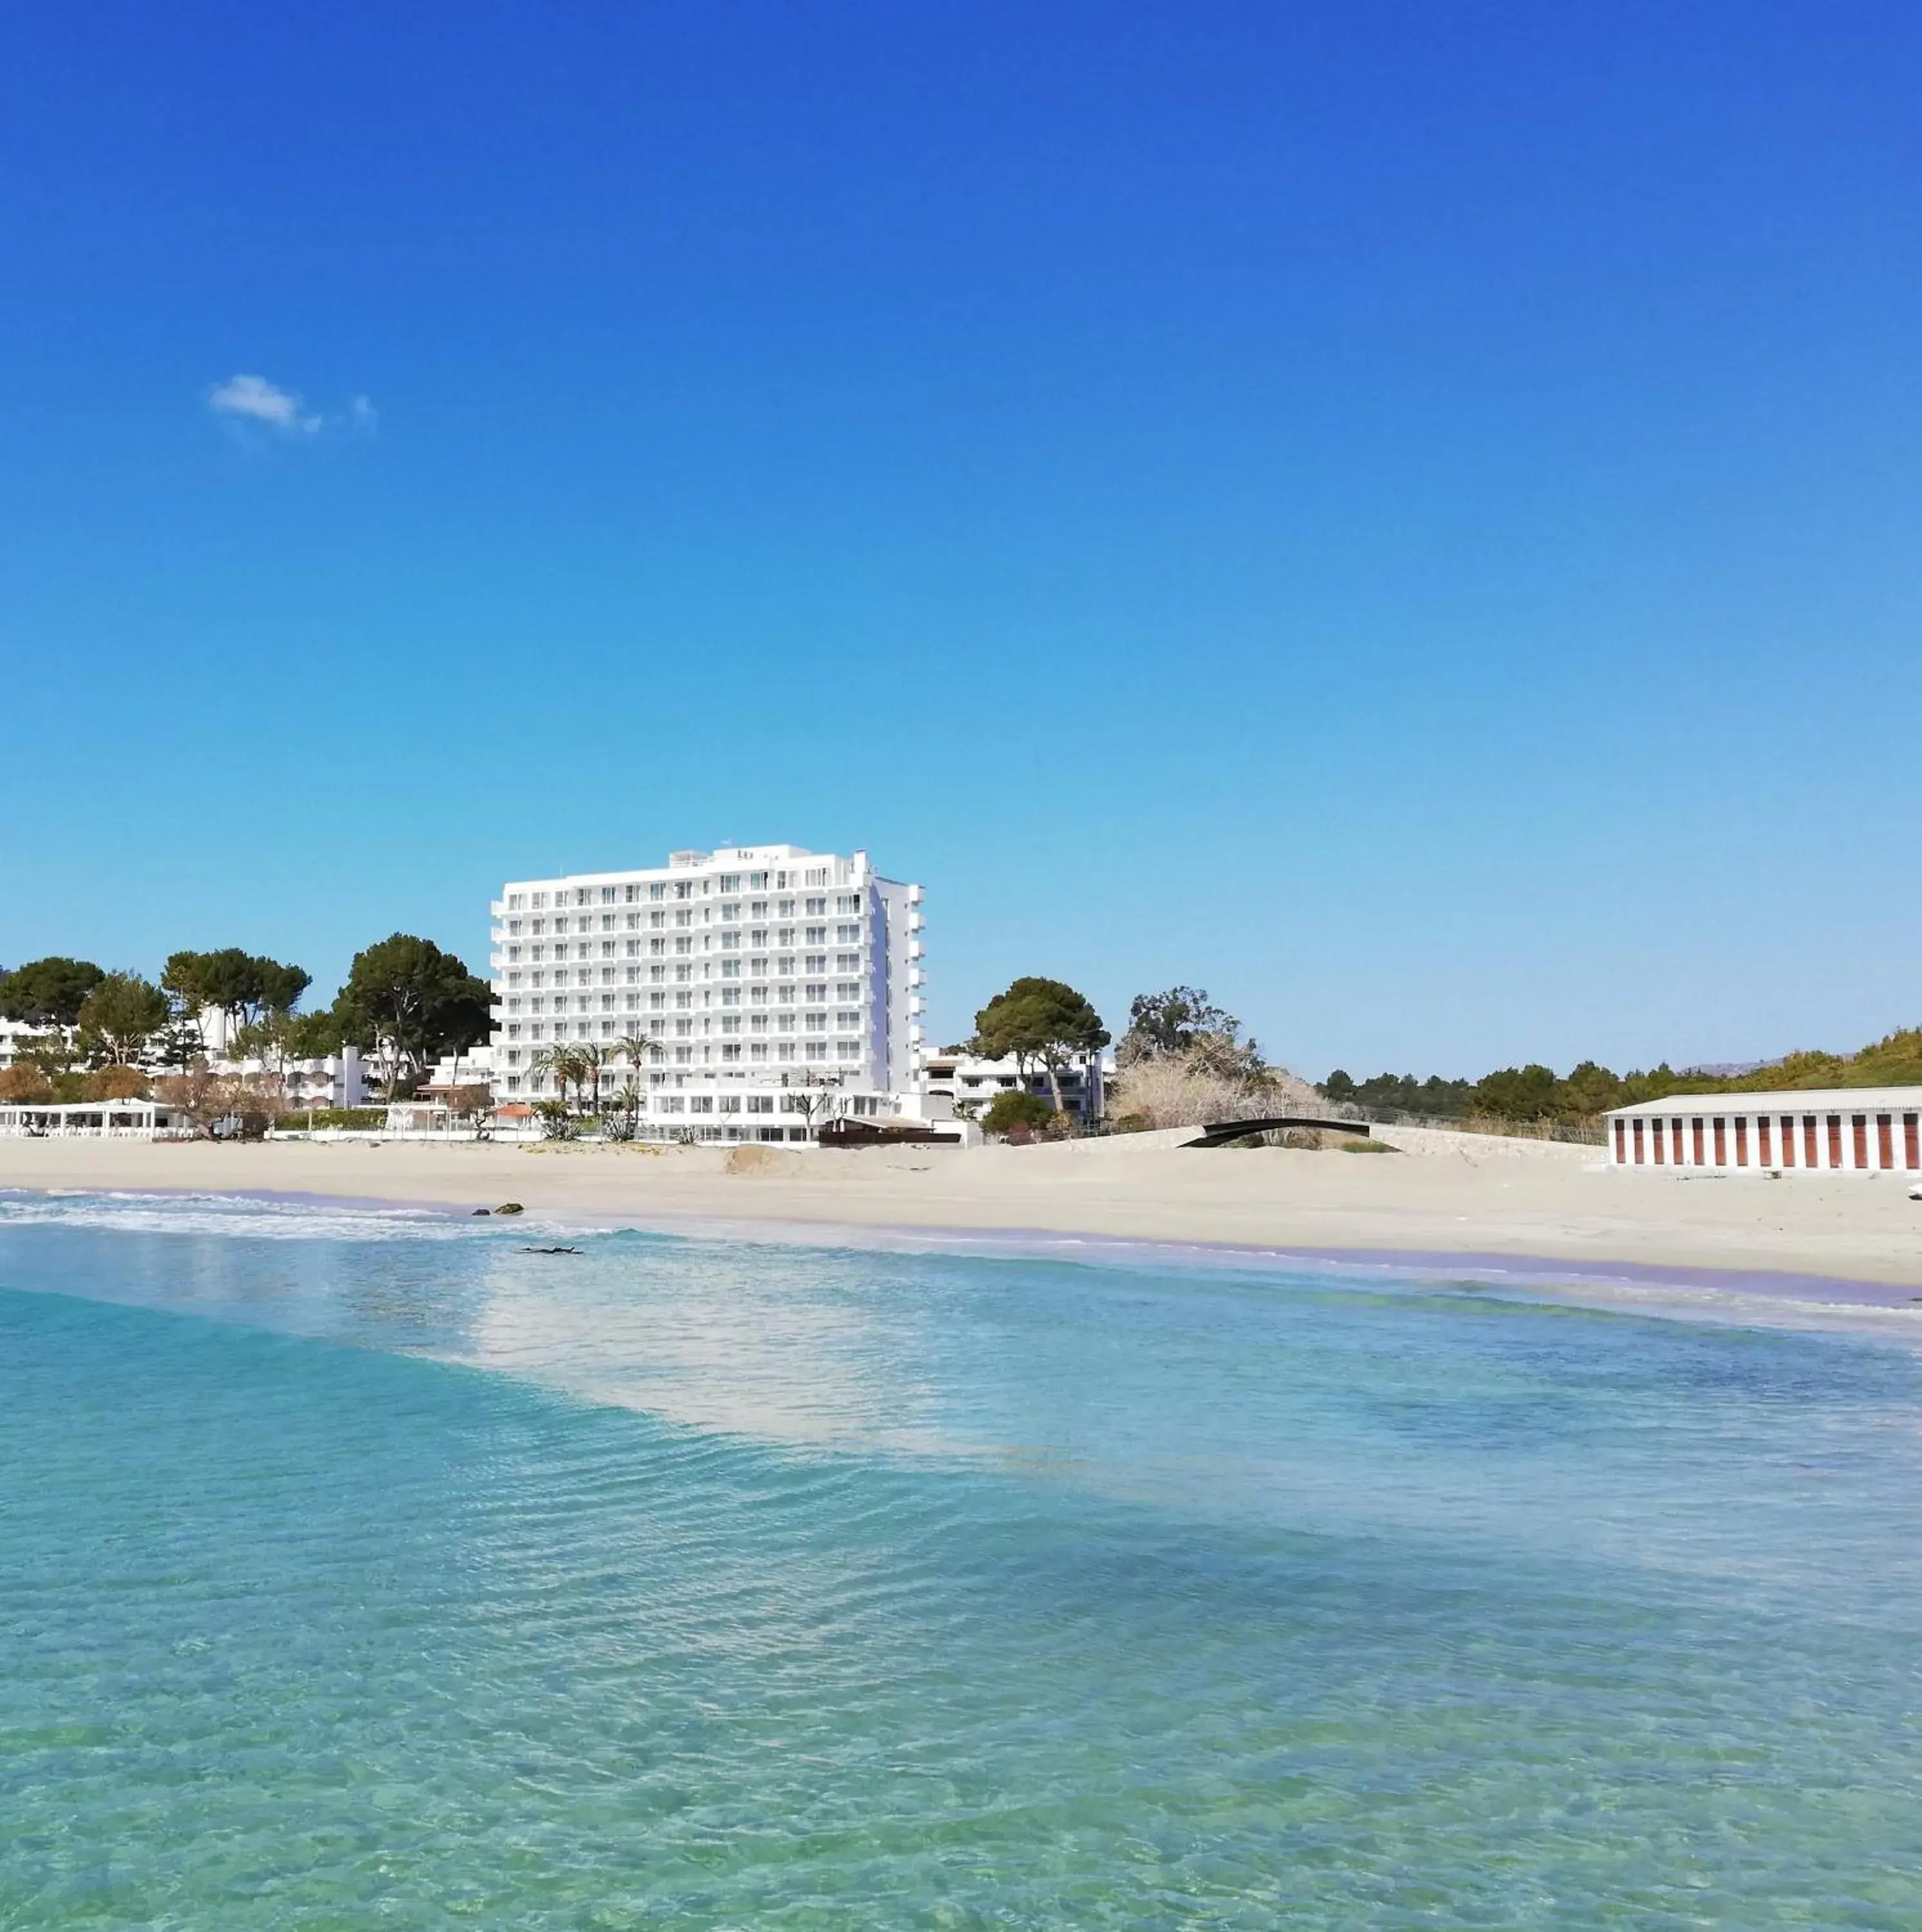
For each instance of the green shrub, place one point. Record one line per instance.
(303, 1120)
(1006, 1112)
(1366, 1147)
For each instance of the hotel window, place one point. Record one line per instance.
(683, 888)
(607, 896)
(513, 901)
(817, 1022)
(757, 882)
(513, 952)
(607, 949)
(630, 893)
(730, 996)
(759, 995)
(683, 1002)
(846, 1049)
(817, 875)
(540, 900)
(730, 1055)
(731, 911)
(731, 1023)
(816, 935)
(632, 949)
(514, 926)
(684, 919)
(848, 1022)
(847, 993)
(656, 920)
(786, 937)
(848, 902)
(814, 962)
(701, 1103)
(815, 1049)
(847, 962)
(786, 909)
(784, 996)
(581, 896)
(815, 993)
(607, 976)
(730, 882)
(757, 1023)
(682, 974)
(684, 946)
(847, 935)
(656, 975)
(757, 969)
(537, 927)
(683, 1029)
(656, 1001)
(632, 921)
(537, 980)
(607, 1002)
(657, 892)
(758, 936)
(784, 1023)
(536, 1031)
(731, 941)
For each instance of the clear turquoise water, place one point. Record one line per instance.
(358, 1571)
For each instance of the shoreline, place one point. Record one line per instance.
(698, 1198)
(1521, 1213)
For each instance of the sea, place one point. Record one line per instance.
(370, 1568)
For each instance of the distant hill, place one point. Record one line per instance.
(1893, 1061)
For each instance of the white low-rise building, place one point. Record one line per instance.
(16, 1035)
(1834, 1130)
(762, 976)
(95, 1119)
(961, 1085)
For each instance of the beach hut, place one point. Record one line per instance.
(1837, 1130)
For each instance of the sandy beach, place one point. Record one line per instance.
(1446, 1194)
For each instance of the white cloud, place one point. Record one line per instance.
(362, 415)
(254, 399)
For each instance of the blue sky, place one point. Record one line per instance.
(1405, 516)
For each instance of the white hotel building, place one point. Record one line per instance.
(754, 971)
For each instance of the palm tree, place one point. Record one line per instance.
(562, 1062)
(633, 1047)
(589, 1060)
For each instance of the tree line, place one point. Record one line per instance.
(406, 1002)
(1536, 1093)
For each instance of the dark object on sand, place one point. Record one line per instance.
(550, 1251)
(483, 1210)
(509, 1207)
(1226, 1133)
